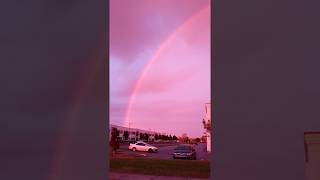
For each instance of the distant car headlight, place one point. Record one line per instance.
(189, 154)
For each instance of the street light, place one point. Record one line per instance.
(129, 130)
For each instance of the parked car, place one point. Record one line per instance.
(194, 143)
(142, 146)
(184, 151)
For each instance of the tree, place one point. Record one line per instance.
(197, 140)
(184, 138)
(156, 137)
(146, 136)
(207, 124)
(141, 136)
(165, 137)
(170, 137)
(161, 136)
(126, 135)
(137, 134)
(203, 138)
(174, 138)
(114, 141)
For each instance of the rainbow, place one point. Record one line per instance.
(65, 137)
(155, 56)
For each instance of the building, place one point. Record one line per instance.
(312, 155)
(133, 134)
(207, 125)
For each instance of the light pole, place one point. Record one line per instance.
(129, 130)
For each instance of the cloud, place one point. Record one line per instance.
(177, 83)
(124, 75)
(139, 24)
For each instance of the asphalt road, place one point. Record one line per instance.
(164, 152)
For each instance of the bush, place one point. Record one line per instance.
(114, 142)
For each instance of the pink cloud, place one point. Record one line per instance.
(139, 24)
(177, 84)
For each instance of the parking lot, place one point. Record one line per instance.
(165, 151)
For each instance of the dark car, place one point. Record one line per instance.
(185, 152)
(194, 143)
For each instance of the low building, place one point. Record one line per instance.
(133, 134)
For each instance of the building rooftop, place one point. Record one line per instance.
(133, 129)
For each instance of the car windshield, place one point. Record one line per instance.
(142, 143)
(183, 148)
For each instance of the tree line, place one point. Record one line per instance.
(146, 136)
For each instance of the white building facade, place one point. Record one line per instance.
(133, 133)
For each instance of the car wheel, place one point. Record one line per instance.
(133, 149)
(150, 150)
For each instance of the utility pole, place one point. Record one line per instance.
(129, 130)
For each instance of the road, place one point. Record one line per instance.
(164, 152)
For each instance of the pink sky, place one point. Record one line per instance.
(160, 64)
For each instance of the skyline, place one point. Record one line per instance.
(157, 52)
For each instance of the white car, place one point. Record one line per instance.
(142, 146)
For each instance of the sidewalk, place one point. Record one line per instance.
(126, 176)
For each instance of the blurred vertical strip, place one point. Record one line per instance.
(54, 88)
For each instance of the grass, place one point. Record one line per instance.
(160, 167)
